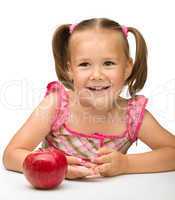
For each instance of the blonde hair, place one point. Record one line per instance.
(60, 44)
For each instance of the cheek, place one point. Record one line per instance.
(79, 80)
(117, 77)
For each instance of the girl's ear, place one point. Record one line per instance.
(129, 68)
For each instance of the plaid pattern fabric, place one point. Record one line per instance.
(85, 145)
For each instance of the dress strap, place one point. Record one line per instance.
(62, 109)
(135, 115)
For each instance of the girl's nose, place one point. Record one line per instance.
(96, 74)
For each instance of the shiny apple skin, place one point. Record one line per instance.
(45, 168)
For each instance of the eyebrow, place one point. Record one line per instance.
(106, 58)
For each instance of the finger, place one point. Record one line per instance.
(71, 172)
(81, 170)
(103, 169)
(76, 171)
(94, 174)
(89, 164)
(102, 159)
(104, 150)
(74, 160)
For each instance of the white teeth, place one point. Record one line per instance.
(98, 88)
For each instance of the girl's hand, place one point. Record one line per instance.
(77, 172)
(110, 162)
(78, 168)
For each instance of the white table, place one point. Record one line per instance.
(156, 186)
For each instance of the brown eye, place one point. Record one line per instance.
(83, 64)
(108, 63)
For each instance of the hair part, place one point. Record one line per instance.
(60, 48)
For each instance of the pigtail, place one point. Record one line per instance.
(60, 52)
(138, 76)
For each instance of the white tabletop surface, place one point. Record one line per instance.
(155, 186)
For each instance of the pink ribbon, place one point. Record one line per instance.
(125, 31)
(72, 27)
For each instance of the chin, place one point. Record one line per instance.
(97, 100)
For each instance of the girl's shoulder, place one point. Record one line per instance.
(138, 99)
(59, 88)
(134, 103)
(54, 86)
(62, 107)
(136, 108)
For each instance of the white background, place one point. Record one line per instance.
(27, 65)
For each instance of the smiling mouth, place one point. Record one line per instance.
(98, 89)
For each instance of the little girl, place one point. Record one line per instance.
(83, 113)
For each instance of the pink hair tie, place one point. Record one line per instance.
(72, 27)
(125, 31)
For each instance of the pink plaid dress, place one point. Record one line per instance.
(84, 145)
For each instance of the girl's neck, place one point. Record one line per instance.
(118, 106)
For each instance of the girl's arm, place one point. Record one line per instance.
(161, 158)
(33, 131)
(162, 143)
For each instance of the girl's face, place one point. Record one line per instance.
(97, 60)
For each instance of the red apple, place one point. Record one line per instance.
(45, 168)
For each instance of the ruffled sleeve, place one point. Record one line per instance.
(62, 108)
(136, 112)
